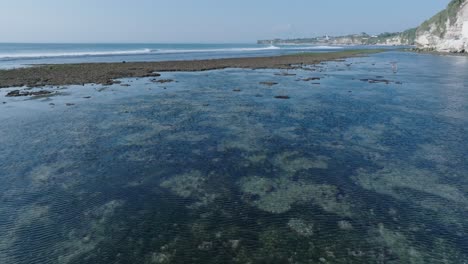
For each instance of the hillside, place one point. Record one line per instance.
(406, 38)
(447, 31)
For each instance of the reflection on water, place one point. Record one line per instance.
(214, 169)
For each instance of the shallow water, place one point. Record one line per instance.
(213, 168)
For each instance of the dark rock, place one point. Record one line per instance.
(269, 83)
(250, 197)
(17, 93)
(311, 79)
(14, 93)
(379, 81)
(163, 81)
(151, 74)
(282, 97)
(284, 74)
(111, 82)
(376, 81)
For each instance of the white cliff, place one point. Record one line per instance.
(447, 31)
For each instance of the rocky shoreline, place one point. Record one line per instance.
(462, 53)
(106, 73)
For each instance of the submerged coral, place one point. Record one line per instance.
(190, 185)
(292, 162)
(301, 227)
(185, 185)
(345, 225)
(393, 179)
(25, 217)
(83, 240)
(279, 195)
(397, 245)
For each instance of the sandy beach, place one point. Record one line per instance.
(105, 73)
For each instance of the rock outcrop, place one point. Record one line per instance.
(447, 31)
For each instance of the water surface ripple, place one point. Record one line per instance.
(212, 168)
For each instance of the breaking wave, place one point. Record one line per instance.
(57, 54)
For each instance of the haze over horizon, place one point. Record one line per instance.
(204, 21)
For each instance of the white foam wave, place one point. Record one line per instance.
(73, 54)
(314, 48)
(15, 56)
(167, 51)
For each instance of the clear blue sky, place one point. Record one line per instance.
(214, 21)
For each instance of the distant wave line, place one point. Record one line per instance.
(242, 49)
(214, 50)
(150, 51)
(314, 47)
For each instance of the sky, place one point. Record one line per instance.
(203, 21)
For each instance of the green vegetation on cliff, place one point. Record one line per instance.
(409, 36)
(439, 21)
(436, 25)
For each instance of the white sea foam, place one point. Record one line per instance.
(73, 54)
(314, 48)
(36, 55)
(214, 50)
(167, 51)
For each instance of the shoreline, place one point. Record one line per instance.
(438, 53)
(106, 73)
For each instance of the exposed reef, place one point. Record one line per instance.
(106, 73)
(18, 93)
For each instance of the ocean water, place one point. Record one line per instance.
(212, 168)
(18, 55)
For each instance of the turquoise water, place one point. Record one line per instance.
(212, 168)
(20, 55)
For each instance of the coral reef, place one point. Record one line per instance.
(190, 185)
(301, 227)
(279, 195)
(397, 177)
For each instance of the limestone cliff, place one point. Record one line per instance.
(447, 31)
